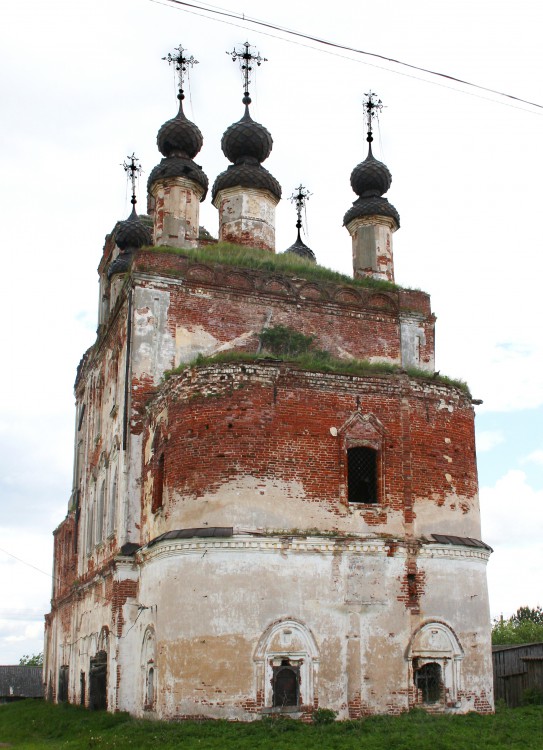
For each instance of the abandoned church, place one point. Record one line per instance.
(275, 502)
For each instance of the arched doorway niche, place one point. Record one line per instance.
(148, 668)
(286, 660)
(435, 656)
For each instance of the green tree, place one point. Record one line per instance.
(36, 660)
(525, 626)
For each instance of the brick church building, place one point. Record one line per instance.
(275, 503)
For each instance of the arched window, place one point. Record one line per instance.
(150, 687)
(362, 475)
(148, 666)
(100, 508)
(286, 666)
(158, 486)
(435, 655)
(112, 504)
(90, 527)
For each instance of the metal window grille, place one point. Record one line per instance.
(285, 686)
(428, 681)
(362, 475)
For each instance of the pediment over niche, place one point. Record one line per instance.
(360, 426)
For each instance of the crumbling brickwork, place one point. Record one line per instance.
(210, 538)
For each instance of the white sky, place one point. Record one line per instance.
(83, 85)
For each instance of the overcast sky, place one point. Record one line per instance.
(83, 85)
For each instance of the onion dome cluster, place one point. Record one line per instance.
(246, 144)
(370, 180)
(130, 235)
(179, 140)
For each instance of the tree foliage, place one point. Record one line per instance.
(285, 341)
(525, 626)
(34, 660)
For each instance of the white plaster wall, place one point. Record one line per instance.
(153, 344)
(247, 211)
(212, 600)
(255, 503)
(413, 338)
(176, 212)
(454, 514)
(372, 246)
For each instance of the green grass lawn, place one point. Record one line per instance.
(30, 725)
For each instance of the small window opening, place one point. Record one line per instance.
(158, 491)
(150, 697)
(82, 688)
(428, 680)
(412, 585)
(285, 685)
(362, 475)
(98, 682)
(63, 684)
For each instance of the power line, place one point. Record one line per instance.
(56, 579)
(335, 45)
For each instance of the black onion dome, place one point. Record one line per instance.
(246, 138)
(247, 175)
(179, 137)
(121, 264)
(372, 206)
(178, 166)
(301, 249)
(132, 233)
(370, 178)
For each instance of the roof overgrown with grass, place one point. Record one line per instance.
(319, 361)
(262, 260)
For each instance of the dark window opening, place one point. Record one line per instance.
(82, 688)
(412, 586)
(428, 681)
(63, 684)
(362, 475)
(150, 697)
(285, 685)
(98, 682)
(158, 488)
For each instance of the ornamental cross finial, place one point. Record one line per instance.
(372, 106)
(246, 57)
(300, 197)
(182, 63)
(133, 170)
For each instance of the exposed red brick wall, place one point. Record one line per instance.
(362, 321)
(273, 421)
(121, 591)
(65, 558)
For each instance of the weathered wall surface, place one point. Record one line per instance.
(247, 217)
(264, 446)
(212, 604)
(357, 596)
(212, 308)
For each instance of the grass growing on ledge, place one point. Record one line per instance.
(319, 361)
(263, 260)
